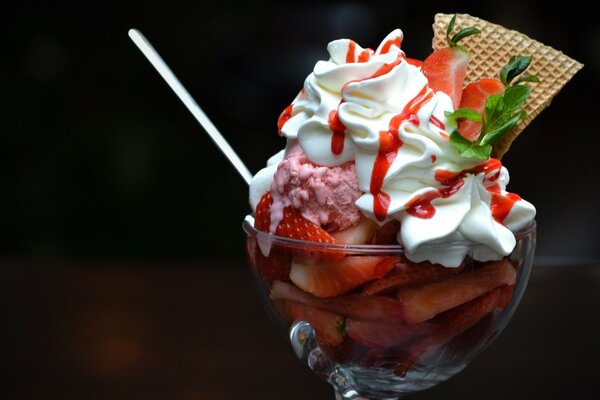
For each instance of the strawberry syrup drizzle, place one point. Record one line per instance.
(389, 143)
(339, 132)
(389, 43)
(363, 56)
(436, 122)
(420, 206)
(283, 118)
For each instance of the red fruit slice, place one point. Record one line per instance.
(453, 323)
(293, 224)
(380, 334)
(414, 61)
(328, 326)
(506, 294)
(274, 267)
(407, 273)
(373, 308)
(262, 214)
(327, 278)
(446, 69)
(426, 301)
(474, 97)
(361, 233)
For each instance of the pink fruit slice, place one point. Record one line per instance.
(474, 97)
(446, 69)
(327, 278)
(372, 308)
(426, 301)
(380, 334)
(408, 273)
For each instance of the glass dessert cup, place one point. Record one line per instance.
(413, 326)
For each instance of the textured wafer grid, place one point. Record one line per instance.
(491, 50)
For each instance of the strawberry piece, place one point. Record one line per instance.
(380, 334)
(262, 214)
(449, 326)
(426, 301)
(361, 233)
(293, 225)
(328, 326)
(506, 294)
(327, 278)
(474, 97)
(445, 69)
(274, 267)
(453, 323)
(408, 273)
(373, 308)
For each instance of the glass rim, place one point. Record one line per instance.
(267, 237)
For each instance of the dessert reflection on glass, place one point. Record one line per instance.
(383, 237)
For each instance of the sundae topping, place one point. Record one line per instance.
(376, 115)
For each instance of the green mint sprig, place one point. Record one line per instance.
(463, 33)
(502, 112)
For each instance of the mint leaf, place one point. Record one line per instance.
(492, 110)
(515, 67)
(496, 134)
(464, 113)
(527, 78)
(478, 152)
(450, 28)
(514, 98)
(469, 149)
(463, 33)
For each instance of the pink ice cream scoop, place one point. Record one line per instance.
(323, 195)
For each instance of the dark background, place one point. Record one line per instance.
(100, 160)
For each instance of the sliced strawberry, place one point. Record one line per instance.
(361, 233)
(423, 302)
(295, 226)
(408, 273)
(292, 225)
(474, 97)
(373, 308)
(506, 294)
(380, 334)
(452, 323)
(274, 267)
(445, 69)
(327, 278)
(262, 214)
(328, 326)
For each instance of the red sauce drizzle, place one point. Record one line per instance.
(436, 122)
(339, 132)
(500, 205)
(365, 55)
(350, 54)
(433, 158)
(388, 45)
(420, 206)
(283, 118)
(389, 143)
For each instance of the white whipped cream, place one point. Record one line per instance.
(368, 97)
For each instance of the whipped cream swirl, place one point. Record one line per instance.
(375, 108)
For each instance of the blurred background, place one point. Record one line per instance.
(118, 214)
(100, 160)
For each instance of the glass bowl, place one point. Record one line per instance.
(376, 325)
